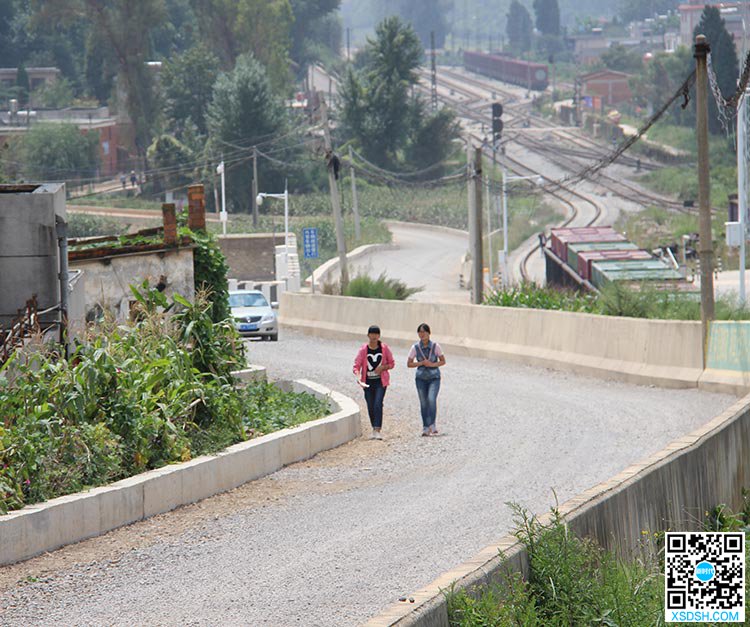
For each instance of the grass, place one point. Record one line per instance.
(574, 581)
(656, 227)
(571, 582)
(527, 215)
(615, 300)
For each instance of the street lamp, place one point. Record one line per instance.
(285, 196)
(223, 214)
(506, 179)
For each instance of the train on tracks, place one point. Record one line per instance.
(592, 257)
(509, 70)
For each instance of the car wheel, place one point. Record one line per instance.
(274, 338)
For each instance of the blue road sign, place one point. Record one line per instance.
(310, 243)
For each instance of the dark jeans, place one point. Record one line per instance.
(374, 396)
(428, 392)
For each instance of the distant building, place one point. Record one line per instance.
(16, 123)
(38, 76)
(609, 85)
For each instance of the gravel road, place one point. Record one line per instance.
(426, 257)
(333, 540)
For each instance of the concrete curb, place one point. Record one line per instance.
(676, 482)
(68, 519)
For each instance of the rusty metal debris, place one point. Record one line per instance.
(24, 325)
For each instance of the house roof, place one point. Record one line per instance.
(605, 73)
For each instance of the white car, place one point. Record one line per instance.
(252, 315)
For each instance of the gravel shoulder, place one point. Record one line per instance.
(333, 540)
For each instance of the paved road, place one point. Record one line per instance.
(427, 257)
(333, 540)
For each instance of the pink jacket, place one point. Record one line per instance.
(360, 363)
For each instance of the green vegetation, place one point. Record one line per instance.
(59, 152)
(655, 227)
(389, 126)
(527, 215)
(574, 581)
(88, 225)
(364, 286)
(136, 396)
(210, 272)
(571, 582)
(531, 296)
(615, 300)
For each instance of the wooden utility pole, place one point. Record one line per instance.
(475, 229)
(355, 199)
(335, 202)
(705, 250)
(255, 187)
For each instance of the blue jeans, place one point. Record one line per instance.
(374, 396)
(428, 391)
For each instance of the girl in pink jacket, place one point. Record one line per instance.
(371, 365)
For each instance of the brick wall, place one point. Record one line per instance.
(251, 257)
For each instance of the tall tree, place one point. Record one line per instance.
(425, 16)
(379, 113)
(261, 27)
(376, 99)
(243, 111)
(187, 84)
(314, 26)
(547, 17)
(126, 25)
(724, 57)
(518, 28)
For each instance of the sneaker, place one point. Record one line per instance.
(425, 432)
(378, 436)
(374, 435)
(433, 430)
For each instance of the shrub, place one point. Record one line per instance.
(364, 286)
(87, 225)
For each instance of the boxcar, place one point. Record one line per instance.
(509, 70)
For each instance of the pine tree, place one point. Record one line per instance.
(723, 57)
(547, 17)
(518, 27)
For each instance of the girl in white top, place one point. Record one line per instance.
(427, 357)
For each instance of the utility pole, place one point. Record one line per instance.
(433, 73)
(348, 44)
(255, 187)
(475, 230)
(335, 202)
(355, 198)
(705, 252)
(488, 200)
(742, 186)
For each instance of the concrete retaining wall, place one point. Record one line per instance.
(659, 352)
(728, 358)
(67, 519)
(669, 490)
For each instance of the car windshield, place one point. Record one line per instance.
(247, 300)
